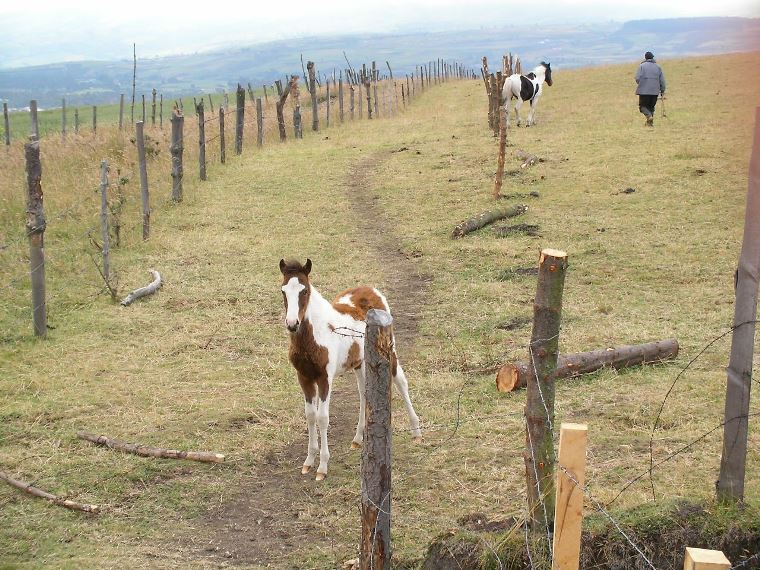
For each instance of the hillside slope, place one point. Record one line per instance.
(203, 364)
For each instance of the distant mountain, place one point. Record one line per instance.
(97, 82)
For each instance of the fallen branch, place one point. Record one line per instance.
(27, 488)
(527, 158)
(143, 291)
(145, 451)
(487, 217)
(514, 375)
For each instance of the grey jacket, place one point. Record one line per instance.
(650, 78)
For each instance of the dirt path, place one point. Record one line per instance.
(262, 524)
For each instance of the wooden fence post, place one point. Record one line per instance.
(351, 101)
(539, 406)
(121, 112)
(35, 123)
(94, 119)
(701, 559)
(153, 107)
(367, 87)
(76, 121)
(176, 148)
(313, 91)
(201, 140)
(35, 230)
(502, 152)
(140, 138)
(211, 103)
(7, 123)
(63, 118)
(340, 97)
(240, 119)
(259, 123)
(161, 111)
(733, 461)
(327, 103)
(104, 220)
(143, 107)
(376, 449)
(222, 148)
(568, 509)
(297, 124)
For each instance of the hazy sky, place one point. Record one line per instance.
(73, 30)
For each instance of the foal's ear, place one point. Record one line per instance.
(282, 266)
(307, 267)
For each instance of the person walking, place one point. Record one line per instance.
(651, 83)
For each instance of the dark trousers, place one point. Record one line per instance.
(647, 104)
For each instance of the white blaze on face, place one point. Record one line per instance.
(292, 290)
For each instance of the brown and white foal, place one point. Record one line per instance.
(326, 340)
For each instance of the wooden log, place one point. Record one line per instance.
(485, 218)
(144, 192)
(375, 544)
(543, 351)
(514, 375)
(67, 503)
(35, 231)
(527, 158)
(143, 291)
(147, 451)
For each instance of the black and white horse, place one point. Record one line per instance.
(526, 88)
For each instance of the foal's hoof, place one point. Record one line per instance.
(321, 476)
(305, 469)
(355, 445)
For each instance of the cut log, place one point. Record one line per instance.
(145, 451)
(514, 375)
(27, 488)
(143, 291)
(487, 217)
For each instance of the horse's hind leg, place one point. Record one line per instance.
(399, 379)
(517, 110)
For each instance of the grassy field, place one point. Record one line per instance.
(203, 364)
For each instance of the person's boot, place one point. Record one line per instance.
(650, 121)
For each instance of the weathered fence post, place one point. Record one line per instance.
(259, 123)
(76, 121)
(376, 449)
(568, 510)
(211, 103)
(222, 148)
(701, 559)
(374, 88)
(104, 220)
(177, 146)
(201, 140)
(161, 111)
(240, 119)
(502, 152)
(94, 119)
(327, 103)
(35, 132)
(153, 107)
(121, 112)
(340, 97)
(351, 101)
(297, 124)
(313, 92)
(539, 406)
(7, 123)
(63, 118)
(733, 461)
(35, 230)
(143, 107)
(367, 87)
(140, 138)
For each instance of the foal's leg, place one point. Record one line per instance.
(357, 442)
(311, 423)
(323, 421)
(403, 387)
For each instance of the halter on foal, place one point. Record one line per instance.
(526, 88)
(326, 340)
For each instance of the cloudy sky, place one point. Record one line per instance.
(80, 30)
